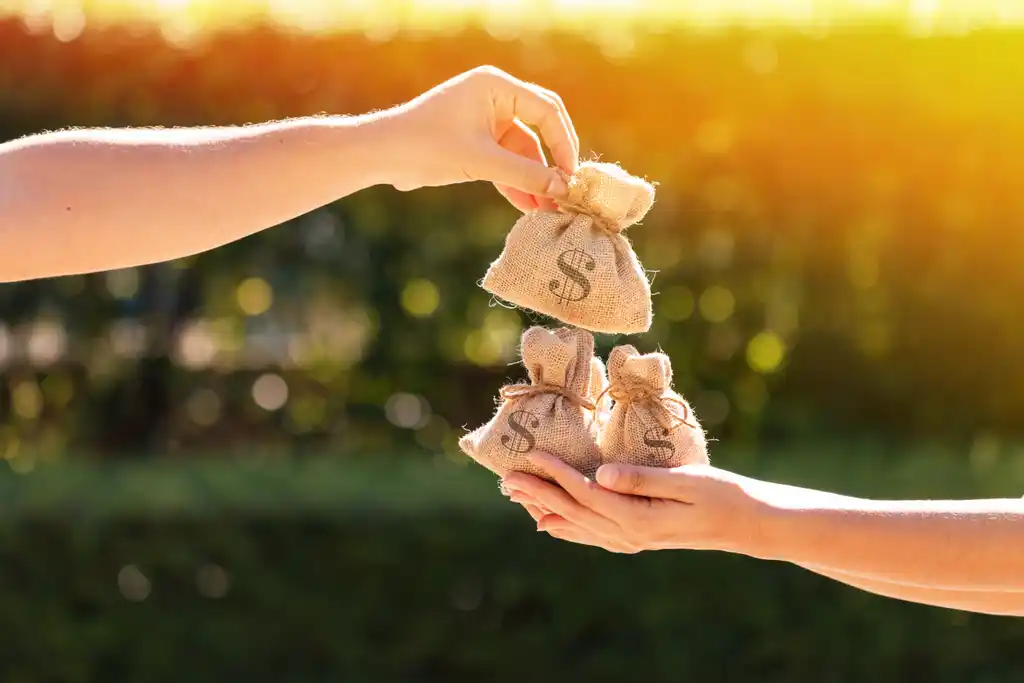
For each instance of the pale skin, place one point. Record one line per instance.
(87, 200)
(959, 554)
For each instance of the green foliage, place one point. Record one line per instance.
(835, 243)
(421, 572)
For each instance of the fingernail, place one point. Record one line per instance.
(607, 475)
(557, 187)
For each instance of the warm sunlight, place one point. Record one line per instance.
(317, 15)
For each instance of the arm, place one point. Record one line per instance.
(1007, 603)
(90, 200)
(1002, 603)
(975, 545)
(957, 554)
(80, 201)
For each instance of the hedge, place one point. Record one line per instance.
(258, 572)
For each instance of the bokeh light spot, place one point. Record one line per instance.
(47, 342)
(196, 346)
(58, 389)
(420, 298)
(27, 400)
(307, 412)
(212, 581)
(123, 284)
(270, 392)
(255, 297)
(204, 407)
(433, 434)
(68, 23)
(407, 411)
(133, 584)
(765, 352)
(717, 304)
(677, 304)
(481, 348)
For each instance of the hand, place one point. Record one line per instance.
(630, 509)
(474, 127)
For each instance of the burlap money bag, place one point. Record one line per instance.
(650, 424)
(575, 265)
(553, 413)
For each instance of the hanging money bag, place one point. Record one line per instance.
(576, 265)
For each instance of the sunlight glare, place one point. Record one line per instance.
(509, 16)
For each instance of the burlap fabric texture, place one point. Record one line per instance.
(650, 424)
(553, 413)
(575, 265)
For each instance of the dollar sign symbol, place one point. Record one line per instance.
(522, 441)
(663, 450)
(570, 262)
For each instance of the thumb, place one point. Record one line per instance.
(503, 167)
(653, 482)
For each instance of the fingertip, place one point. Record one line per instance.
(557, 186)
(609, 476)
(572, 164)
(512, 482)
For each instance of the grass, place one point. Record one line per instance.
(83, 489)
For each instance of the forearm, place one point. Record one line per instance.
(997, 602)
(1003, 603)
(89, 200)
(949, 545)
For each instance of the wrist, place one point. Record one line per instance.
(361, 148)
(384, 145)
(777, 513)
(791, 519)
(772, 530)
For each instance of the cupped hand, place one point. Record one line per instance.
(630, 509)
(475, 127)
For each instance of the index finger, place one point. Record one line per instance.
(586, 492)
(565, 117)
(533, 106)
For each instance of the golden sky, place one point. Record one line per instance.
(921, 15)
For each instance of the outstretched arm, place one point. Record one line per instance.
(999, 603)
(959, 554)
(949, 544)
(80, 201)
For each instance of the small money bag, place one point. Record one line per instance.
(650, 424)
(575, 265)
(554, 412)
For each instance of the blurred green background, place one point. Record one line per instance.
(243, 465)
